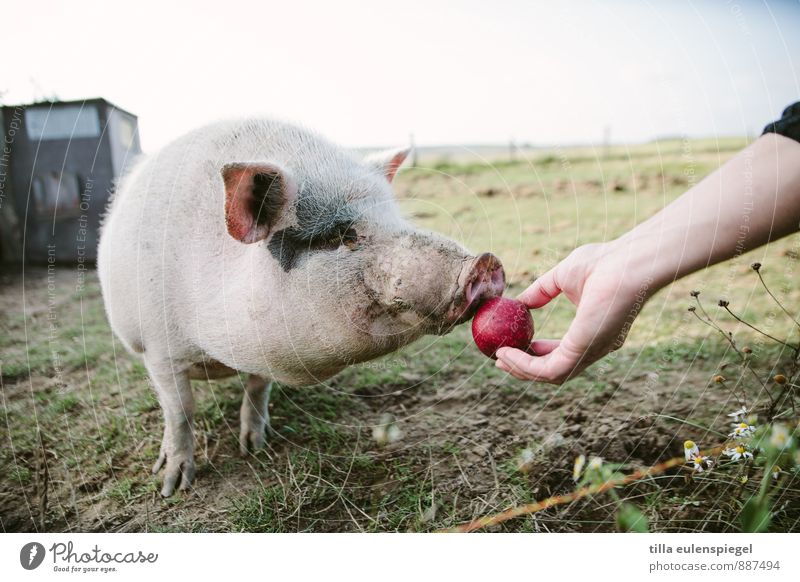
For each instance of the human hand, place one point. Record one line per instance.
(600, 279)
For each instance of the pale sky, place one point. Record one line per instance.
(370, 73)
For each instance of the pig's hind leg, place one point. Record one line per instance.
(177, 446)
(255, 414)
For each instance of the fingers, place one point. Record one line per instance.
(525, 367)
(555, 367)
(541, 291)
(544, 346)
(537, 348)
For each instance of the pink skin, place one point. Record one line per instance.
(485, 279)
(606, 302)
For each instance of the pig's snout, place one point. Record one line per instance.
(481, 279)
(485, 279)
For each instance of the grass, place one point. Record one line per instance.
(464, 423)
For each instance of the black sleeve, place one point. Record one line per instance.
(789, 124)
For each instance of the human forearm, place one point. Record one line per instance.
(751, 200)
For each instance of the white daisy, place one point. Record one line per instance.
(595, 463)
(690, 450)
(526, 459)
(394, 434)
(738, 452)
(780, 437)
(387, 431)
(701, 462)
(741, 413)
(577, 468)
(742, 430)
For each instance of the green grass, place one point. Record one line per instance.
(100, 423)
(540, 212)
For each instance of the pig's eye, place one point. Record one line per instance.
(347, 237)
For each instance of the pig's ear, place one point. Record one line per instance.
(255, 196)
(388, 162)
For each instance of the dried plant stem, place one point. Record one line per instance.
(775, 299)
(531, 508)
(754, 328)
(687, 422)
(787, 393)
(712, 325)
(42, 483)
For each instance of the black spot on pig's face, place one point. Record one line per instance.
(325, 222)
(291, 245)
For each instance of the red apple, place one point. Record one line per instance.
(502, 322)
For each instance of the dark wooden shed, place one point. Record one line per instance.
(58, 165)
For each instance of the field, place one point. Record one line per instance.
(80, 425)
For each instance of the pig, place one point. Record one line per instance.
(257, 246)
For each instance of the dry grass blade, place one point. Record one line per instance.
(531, 508)
(42, 483)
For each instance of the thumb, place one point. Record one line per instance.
(543, 289)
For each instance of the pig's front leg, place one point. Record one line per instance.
(177, 446)
(255, 414)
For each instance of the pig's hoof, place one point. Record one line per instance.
(178, 473)
(162, 457)
(252, 439)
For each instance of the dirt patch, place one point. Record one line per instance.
(458, 458)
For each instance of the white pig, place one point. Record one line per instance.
(260, 247)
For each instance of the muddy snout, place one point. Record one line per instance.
(480, 279)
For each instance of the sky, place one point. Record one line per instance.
(372, 73)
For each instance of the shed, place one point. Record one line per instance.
(58, 165)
